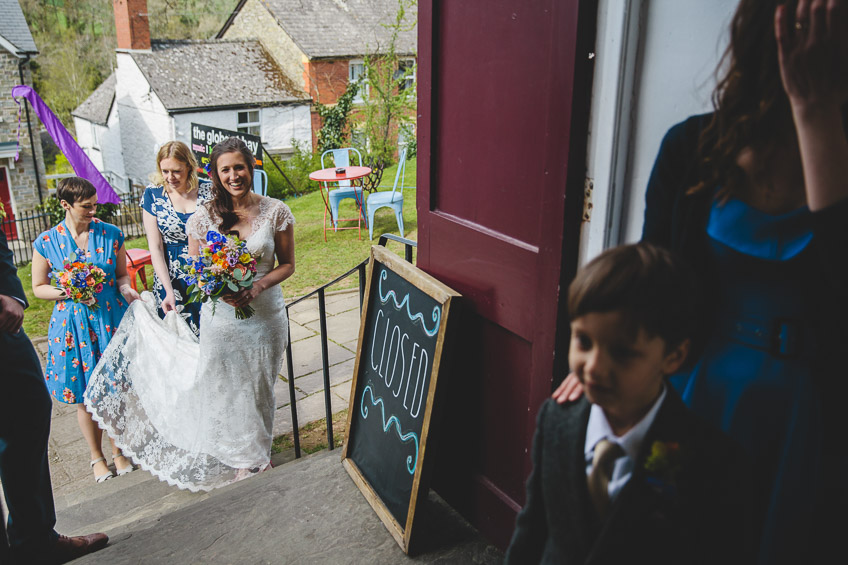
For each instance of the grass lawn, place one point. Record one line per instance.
(316, 261)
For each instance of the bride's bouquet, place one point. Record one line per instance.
(80, 280)
(224, 266)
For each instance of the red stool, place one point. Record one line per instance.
(136, 260)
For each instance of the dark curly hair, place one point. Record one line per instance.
(222, 203)
(750, 103)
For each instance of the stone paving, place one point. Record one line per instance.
(68, 453)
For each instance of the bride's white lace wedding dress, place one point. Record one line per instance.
(197, 414)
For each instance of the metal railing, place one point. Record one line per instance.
(22, 230)
(325, 357)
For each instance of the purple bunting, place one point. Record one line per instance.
(82, 165)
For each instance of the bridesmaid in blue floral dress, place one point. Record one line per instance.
(78, 334)
(167, 207)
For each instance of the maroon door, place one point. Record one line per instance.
(502, 130)
(9, 225)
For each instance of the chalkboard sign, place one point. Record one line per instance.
(401, 342)
(204, 138)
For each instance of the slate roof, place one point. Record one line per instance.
(194, 74)
(96, 107)
(340, 28)
(14, 29)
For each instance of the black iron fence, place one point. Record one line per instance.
(22, 229)
(325, 357)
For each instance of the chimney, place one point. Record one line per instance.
(131, 24)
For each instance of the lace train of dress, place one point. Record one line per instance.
(197, 414)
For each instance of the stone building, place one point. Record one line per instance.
(322, 43)
(161, 87)
(22, 183)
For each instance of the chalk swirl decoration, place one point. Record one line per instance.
(411, 463)
(418, 317)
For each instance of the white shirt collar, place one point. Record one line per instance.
(631, 441)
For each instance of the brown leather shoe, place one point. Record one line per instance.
(67, 549)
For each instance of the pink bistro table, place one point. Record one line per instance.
(325, 176)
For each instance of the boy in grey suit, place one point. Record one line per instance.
(627, 473)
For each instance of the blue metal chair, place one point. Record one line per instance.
(393, 199)
(260, 182)
(341, 158)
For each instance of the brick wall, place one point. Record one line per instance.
(325, 81)
(131, 25)
(22, 179)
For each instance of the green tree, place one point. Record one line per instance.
(76, 41)
(389, 104)
(334, 131)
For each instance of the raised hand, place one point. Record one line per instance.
(812, 49)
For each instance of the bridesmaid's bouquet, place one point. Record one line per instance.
(224, 266)
(80, 280)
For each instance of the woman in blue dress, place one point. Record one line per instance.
(167, 207)
(78, 334)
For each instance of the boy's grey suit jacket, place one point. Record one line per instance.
(700, 513)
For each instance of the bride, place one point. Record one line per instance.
(199, 414)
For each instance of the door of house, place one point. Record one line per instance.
(503, 102)
(9, 226)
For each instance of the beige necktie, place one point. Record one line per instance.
(606, 452)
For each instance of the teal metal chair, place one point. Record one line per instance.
(393, 199)
(260, 182)
(341, 158)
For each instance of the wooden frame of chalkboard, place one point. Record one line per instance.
(394, 332)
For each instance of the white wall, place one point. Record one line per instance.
(83, 129)
(145, 123)
(655, 64)
(112, 150)
(278, 125)
(108, 157)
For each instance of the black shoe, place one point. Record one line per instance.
(67, 549)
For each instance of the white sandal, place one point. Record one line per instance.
(125, 470)
(105, 476)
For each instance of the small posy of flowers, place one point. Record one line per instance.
(81, 281)
(663, 465)
(224, 266)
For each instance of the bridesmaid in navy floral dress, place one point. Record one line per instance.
(78, 334)
(167, 207)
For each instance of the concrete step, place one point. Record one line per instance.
(128, 502)
(309, 511)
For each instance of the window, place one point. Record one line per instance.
(248, 122)
(95, 136)
(406, 71)
(355, 72)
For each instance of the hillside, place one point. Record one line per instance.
(76, 41)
